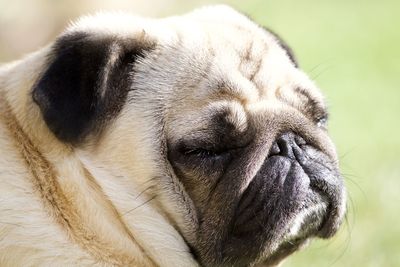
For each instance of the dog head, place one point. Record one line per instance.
(215, 109)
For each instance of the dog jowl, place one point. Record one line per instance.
(193, 140)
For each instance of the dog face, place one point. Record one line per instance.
(215, 110)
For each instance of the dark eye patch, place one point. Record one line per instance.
(214, 144)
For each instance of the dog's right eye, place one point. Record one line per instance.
(203, 153)
(201, 158)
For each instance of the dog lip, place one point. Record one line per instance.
(327, 183)
(285, 249)
(309, 220)
(334, 214)
(297, 187)
(252, 198)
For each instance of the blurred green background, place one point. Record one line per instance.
(350, 48)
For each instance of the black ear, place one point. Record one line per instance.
(86, 82)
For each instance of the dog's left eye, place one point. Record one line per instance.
(322, 121)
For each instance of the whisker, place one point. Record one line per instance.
(141, 205)
(322, 63)
(144, 190)
(13, 224)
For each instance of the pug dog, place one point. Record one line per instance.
(193, 140)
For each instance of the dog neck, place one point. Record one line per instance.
(62, 206)
(84, 199)
(65, 187)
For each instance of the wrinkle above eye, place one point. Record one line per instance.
(310, 105)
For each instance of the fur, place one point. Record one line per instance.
(109, 195)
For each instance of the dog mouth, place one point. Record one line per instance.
(305, 225)
(297, 195)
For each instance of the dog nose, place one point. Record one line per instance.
(284, 144)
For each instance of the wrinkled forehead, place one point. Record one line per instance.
(236, 57)
(240, 69)
(238, 53)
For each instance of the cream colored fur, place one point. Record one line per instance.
(111, 181)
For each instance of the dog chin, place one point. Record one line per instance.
(307, 222)
(304, 226)
(299, 234)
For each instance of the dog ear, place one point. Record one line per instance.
(86, 82)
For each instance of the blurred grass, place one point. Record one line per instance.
(351, 49)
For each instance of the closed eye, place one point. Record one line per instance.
(322, 120)
(204, 153)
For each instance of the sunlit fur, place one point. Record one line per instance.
(122, 186)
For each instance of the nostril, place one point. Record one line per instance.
(285, 143)
(299, 140)
(274, 150)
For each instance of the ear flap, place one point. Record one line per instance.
(86, 82)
